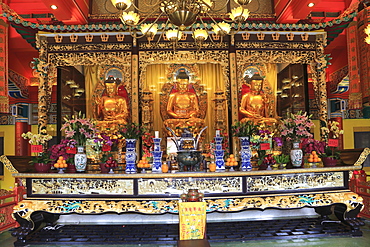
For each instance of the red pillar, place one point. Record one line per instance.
(21, 145)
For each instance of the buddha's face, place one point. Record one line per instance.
(111, 88)
(182, 85)
(256, 85)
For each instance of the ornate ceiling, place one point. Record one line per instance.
(86, 12)
(82, 11)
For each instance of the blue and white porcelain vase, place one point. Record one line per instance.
(130, 156)
(219, 154)
(157, 156)
(80, 159)
(296, 155)
(245, 154)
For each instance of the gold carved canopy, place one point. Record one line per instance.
(229, 64)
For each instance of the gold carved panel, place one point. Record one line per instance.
(177, 186)
(72, 186)
(295, 181)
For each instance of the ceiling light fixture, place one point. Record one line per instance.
(175, 18)
(54, 7)
(310, 5)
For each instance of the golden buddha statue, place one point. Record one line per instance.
(111, 109)
(183, 107)
(254, 104)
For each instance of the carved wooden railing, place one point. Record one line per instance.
(360, 186)
(8, 199)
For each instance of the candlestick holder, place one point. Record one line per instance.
(131, 156)
(157, 156)
(219, 154)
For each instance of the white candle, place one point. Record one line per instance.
(217, 132)
(156, 134)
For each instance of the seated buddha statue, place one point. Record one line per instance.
(111, 108)
(183, 108)
(254, 104)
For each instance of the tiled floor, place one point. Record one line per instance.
(6, 240)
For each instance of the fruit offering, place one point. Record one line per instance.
(231, 161)
(313, 158)
(269, 160)
(61, 163)
(143, 163)
(111, 163)
(212, 167)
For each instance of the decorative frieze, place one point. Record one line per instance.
(89, 47)
(176, 186)
(25, 208)
(69, 186)
(295, 182)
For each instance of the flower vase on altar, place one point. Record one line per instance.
(157, 156)
(80, 159)
(296, 155)
(219, 154)
(130, 156)
(245, 154)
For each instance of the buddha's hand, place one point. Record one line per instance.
(194, 114)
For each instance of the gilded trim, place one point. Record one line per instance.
(362, 157)
(26, 207)
(8, 164)
(186, 174)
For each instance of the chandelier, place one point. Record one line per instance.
(180, 17)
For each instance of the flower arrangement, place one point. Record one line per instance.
(309, 145)
(262, 136)
(61, 150)
(131, 130)
(278, 141)
(243, 129)
(37, 139)
(330, 134)
(105, 142)
(332, 131)
(296, 126)
(79, 128)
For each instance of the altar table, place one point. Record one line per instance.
(50, 195)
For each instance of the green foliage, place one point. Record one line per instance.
(243, 129)
(41, 158)
(282, 158)
(105, 157)
(331, 152)
(131, 130)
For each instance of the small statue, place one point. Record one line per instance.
(254, 104)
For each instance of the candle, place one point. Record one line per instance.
(217, 133)
(156, 134)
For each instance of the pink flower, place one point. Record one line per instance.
(296, 126)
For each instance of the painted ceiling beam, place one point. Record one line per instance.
(69, 11)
